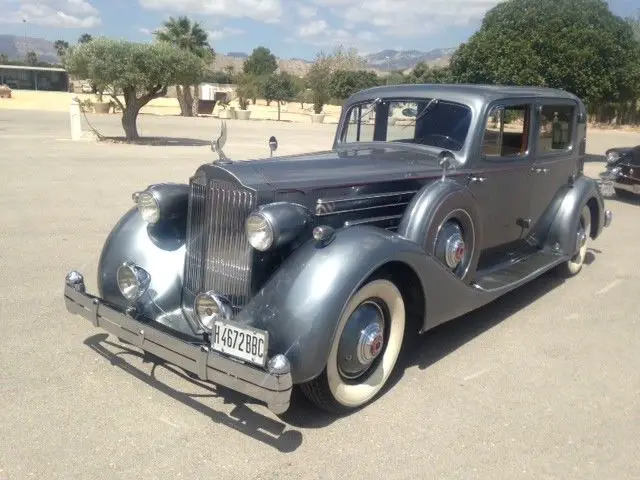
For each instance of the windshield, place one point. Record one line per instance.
(429, 121)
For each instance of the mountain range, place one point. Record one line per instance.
(16, 47)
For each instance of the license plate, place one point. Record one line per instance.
(241, 342)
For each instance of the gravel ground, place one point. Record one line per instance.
(543, 383)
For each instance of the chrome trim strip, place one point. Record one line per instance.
(366, 221)
(272, 389)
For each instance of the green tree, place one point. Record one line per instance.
(260, 63)
(189, 36)
(4, 59)
(32, 58)
(576, 45)
(85, 38)
(142, 71)
(280, 87)
(318, 79)
(423, 73)
(61, 47)
(344, 83)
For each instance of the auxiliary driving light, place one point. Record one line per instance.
(133, 280)
(210, 307)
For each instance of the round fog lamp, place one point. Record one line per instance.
(209, 308)
(259, 232)
(132, 281)
(148, 207)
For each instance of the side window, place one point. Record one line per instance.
(507, 131)
(556, 128)
(361, 123)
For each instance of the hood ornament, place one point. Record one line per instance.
(216, 146)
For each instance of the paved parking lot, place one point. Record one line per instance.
(543, 383)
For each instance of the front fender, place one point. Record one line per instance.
(584, 191)
(159, 249)
(301, 303)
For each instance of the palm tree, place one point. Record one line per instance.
(189, 36)
(61, 47)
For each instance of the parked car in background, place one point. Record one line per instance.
(313, 269)
(623, 170)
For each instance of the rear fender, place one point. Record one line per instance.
(301, 303)
(584, 191)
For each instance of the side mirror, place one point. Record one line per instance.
(273, 145)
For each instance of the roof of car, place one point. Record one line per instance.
(464, 93)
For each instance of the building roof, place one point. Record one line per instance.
(27, 67)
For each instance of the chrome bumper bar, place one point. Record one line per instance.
(274, 389)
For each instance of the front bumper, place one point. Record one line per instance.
(274, 389)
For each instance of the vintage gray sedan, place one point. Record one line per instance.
(313, 269)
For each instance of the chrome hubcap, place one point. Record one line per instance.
(362, 340)
(450, 246)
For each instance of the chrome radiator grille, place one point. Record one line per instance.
(218, 256)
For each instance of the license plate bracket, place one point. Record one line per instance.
(241, 342)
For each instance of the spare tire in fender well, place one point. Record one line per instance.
(432, 206)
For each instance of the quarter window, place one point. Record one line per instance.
(361, 123)
(556, 128)
(507, 131)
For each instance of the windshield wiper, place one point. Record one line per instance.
(425, 110)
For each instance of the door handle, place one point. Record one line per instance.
(477, 179)
(540, 171)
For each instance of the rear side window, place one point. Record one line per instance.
(507, 131)
(556, 128)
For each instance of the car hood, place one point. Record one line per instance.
(345, 166)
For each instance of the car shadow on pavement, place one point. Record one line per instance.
(425, 350)
(269, 431)
(159, 141)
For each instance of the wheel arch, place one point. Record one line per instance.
(411, 287)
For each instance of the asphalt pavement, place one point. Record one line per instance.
(541, 384)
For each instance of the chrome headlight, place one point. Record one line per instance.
(148, 206)
(209, 307)
(260, 231)
(276, 224)
(612, 157)
(132, 280)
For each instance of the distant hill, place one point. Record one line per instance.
(407, 59)
(16, 47)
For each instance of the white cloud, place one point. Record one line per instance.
(313, 29)
(408, 18)
(307, 11)
(269, 11)
(224, 32)
(52, 13)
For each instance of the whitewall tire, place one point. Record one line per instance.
(365, 349)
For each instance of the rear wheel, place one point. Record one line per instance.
(364, 351)
(573, 266)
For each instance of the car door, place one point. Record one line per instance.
(501, 181)
(555, 150)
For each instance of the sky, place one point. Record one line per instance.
(290, 28)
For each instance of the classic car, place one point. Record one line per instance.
(312, 270)
(623, 170)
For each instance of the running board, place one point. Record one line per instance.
(518, 272)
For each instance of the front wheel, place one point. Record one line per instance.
(364, 351)
(573, 266)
